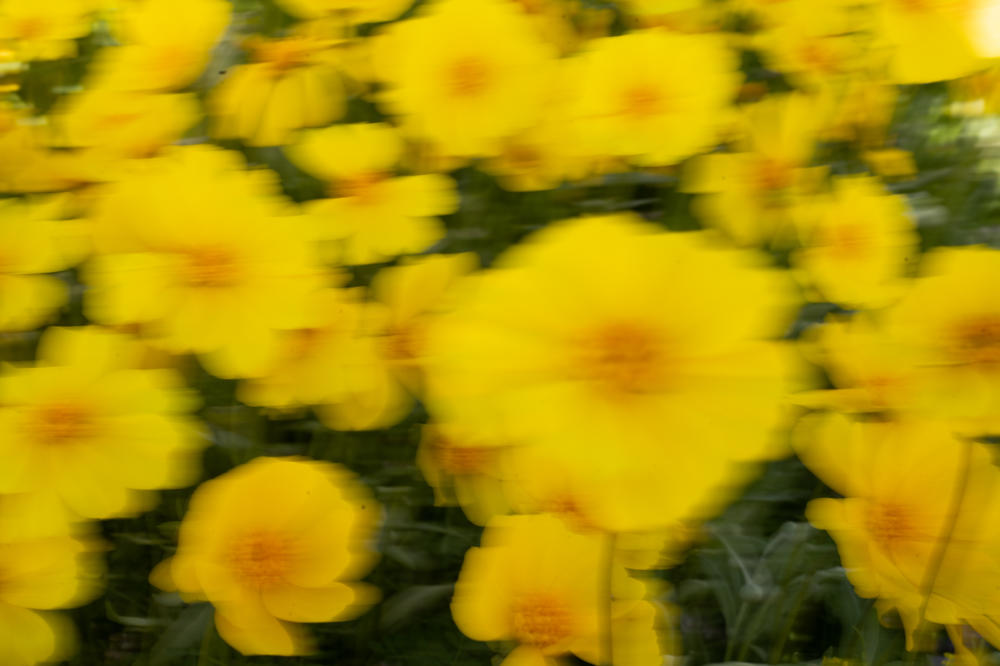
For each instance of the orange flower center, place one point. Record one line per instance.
(622, 358)
(978, 340)
(364, 188)
(463, 460)
(63, 423)
(284, 54)
(210, 267)
(769, 175)
(469, 76)
(260, 559)
(31, 27)
(847, 240)
(405, 342)
(890, 524)
(523, 157)
(642, 101)
(542, 620)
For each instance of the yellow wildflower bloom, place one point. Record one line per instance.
(628, 105)
(28, 164)
(375, 214)
(463, 74)
(87, 425)
(272, 543)
(165, 44)
(756, 193)
(930, 40)
(856, 245)
(34, 242)
(351, 11)
(536, 583)
(112, 125)
(868, 370)
(54, 567)
(44, 30)
(291, 83)
(205, 256)
(947, 326)
(335, 366)
(551, 334)
(464, 471)
(916, 497)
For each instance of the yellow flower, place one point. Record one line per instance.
(28, 164)
(165, 44)
(291, 83)
(44, 30)
(272, 543)
(111, 125)
(756, 193)
(351, 11)
(374, 213)
(86, 424)
(205, 256)
(857, 243)
(41, 570)
(410, 295)
(947, 327)
(816, 43)
(917, 527)
(463, 470)
(33, 242)
(538, 584)
(463, 74)
(931, 40)
(336, 366)
(869, 371)
(628, 105)
(613, 345)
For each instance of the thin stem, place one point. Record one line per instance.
(608, 599)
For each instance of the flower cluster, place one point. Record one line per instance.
(319, 208)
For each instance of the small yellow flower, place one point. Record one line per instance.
(85, 424)
(628, 105)
(34, 242)
(205, 256)
(290, 83)
(375, 214)
(42, 568)
(463, 74)
(165, 44)
(857, 244)
(947, 327)
(540, 585)
(756, 193)
(916, 497)
(44, 30)
(272, 543)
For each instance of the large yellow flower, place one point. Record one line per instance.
(275, 542)
(551, 591)
(618, 347)
(374, 213)
(463, 74)
(917, 527)
(205, 257)
(42, 567)
(291, 83)
(89, 426)
(629, 105)
(857, 243)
